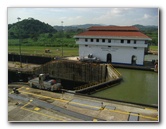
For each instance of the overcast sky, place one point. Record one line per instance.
(77, 16)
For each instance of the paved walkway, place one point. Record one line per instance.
(77, 108)
(52, 107)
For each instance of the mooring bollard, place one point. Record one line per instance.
(102, 105)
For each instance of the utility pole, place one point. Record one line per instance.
(62, 38)
(19, 42)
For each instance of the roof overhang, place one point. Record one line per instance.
(114, 37)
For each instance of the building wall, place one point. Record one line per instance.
(120, 52)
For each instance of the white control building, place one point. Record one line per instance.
(113, 44)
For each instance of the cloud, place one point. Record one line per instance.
(146, 19)
(112, 16)
(119, 11)
(150, 17)
(146, 16)
(70, 18)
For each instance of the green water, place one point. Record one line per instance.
(138, 86)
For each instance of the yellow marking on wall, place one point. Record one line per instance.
(25, 105)
(20, 88)
(151, 109)
(127, 113)
(59, 99)
(36, 109)
(121, 112)
(44, 96)
(148, 117)
(94, 120)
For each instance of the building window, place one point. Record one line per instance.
(91, 40)
(135, 47)
(97, 40)
(86, 45)
(122, 41)
(103, 40)
(128, 41)
(109, 40)
(109, 46)
(135, 41)
(86, 40)
(146, 42)
(77, 39)
(53, 72)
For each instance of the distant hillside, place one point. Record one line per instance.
(85, 26)
(75, 27)
(146, 28)
(28, 28)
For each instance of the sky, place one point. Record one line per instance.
(78, 16)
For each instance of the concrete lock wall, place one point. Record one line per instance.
(29, 58)
(76, 71)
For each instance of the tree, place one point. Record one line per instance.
(30, 26)
(68, 36)
(12, 35)
(50, 35)
(34, 36)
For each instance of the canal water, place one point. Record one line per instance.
(138, 86)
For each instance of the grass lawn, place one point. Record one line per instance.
(55, 51)
(40, 50)
(154, 48)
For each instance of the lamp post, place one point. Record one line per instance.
(62, 38)
(19, 42)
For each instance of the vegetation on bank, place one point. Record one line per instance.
(153, 48)
(45, 40)
(40, 51)
(55, 51)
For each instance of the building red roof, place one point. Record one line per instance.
(114, 28)
(114, 31)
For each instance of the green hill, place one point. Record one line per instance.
(146, 28)
(32, 32)
(28, 28)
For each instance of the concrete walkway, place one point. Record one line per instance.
(53, 107)
(70, 107)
